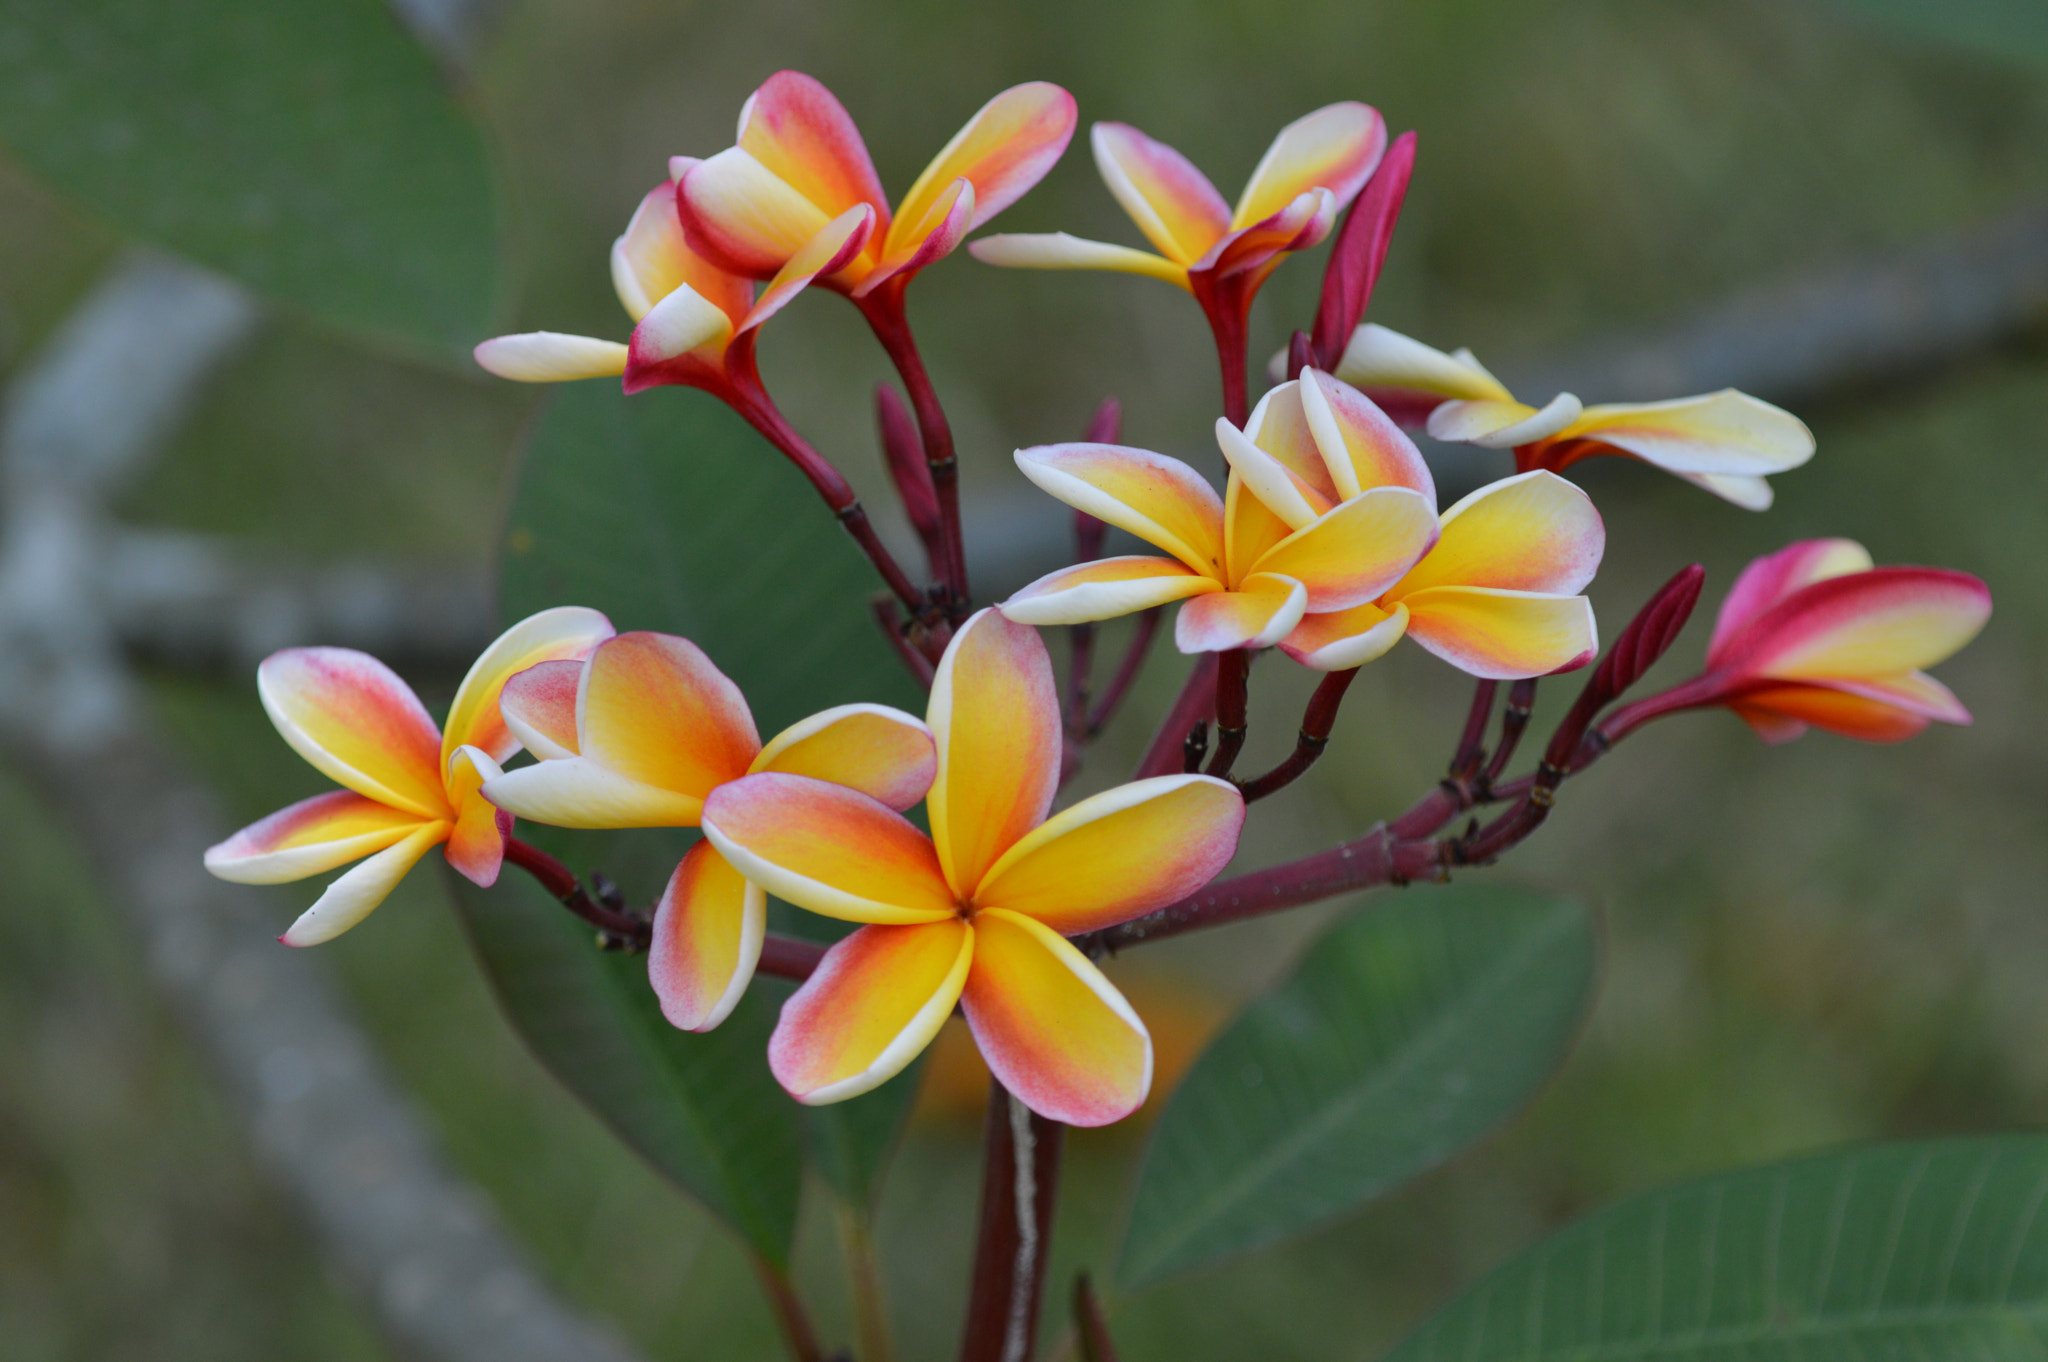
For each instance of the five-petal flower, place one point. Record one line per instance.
(1327, 505)
(1725, 442)
(409, 786)
(640, 736)
(977, 913)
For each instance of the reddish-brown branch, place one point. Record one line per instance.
(892, 625)
(1514, 719)
(891, 325)
(1019, 1184)
(1472, 742)
(1316, 722)
(1091, 1330)
(1233, 693)
(902, 452)
(789, 957)
(797, 1333)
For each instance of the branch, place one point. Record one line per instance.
(1316, 722)
(1019, 1184)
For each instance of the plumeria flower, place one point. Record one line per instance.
(694, 323)
(977, 913)
(409, 786)
(639, 737)
(1327, 505)
(1497, 597)
(1221, 254)
(1725, 442)
(1814, 634)
(798, 163)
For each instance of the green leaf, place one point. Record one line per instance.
(1935, 1249)
(2007, 30)
(1409, 1031)
(703, 1109)
(852, 1141)
(308, 149)
(666, 511)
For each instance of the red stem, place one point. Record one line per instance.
(1233, 676)
(1194, 705)
(1316, 721)
(891, 324)
(917, 663)
(1019, 1183)
(797, 1332)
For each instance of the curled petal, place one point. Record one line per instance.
(995, 716)
(828, 849)
(929, 238)
(835, 246)
(1361, 445)
(551, 357)
(1119, 854)
(1005, 149)
(1773, 577)
(476, 846)
(872, 1005)
(358, 724)
(308, 837)
(1344, 639)
(1336, 149)
(680, 323)
(1173, 203)
(1262, 611)
(1751, 494)
(1358, 550)
(1503, 635)
(1530, 532)
(652, 260)
(882, 752)
(1161, 500)
(1496, 424)
(1061, 251)
(654, 709)
(355, 895)
(566, 633)
(1284, 492)
(1249, 525)
(1054, 1031)
(1863, 624)
(799, 131)
(744, 217)
(1378, 358)
(1727, 432)
(1781, 713)
(1298, 226)
(1279, 426)
(708, 930)
(577, 792)
(1105, 589)
(1915, 692)
(539, 708)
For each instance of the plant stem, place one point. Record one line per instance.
(1472, 743)
(1194, 705)
(797, 1333)
(1090, 1329)
(1316, 722)
(914, 661)
(1233, 676)
(1513, 720)
(1019, 1184)
(891, 324)
(864, 1279)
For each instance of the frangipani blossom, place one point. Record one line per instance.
(409, 786)
(691, 318)
(1725, 442)
(639, 737)
(1815, 635)
(1327, 505)
(798, 163)
(977, 913)
(1496, 597)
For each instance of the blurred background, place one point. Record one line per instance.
(1805, 946)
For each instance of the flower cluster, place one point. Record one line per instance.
(1326, 542)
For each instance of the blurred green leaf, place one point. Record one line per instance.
(703, 1109)
(1408, 1032)
(852, 1141)
(310, 150)
(667, 512)
(2010, 30)
(1935, 1249)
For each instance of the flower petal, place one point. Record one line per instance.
(1173, 203)
(1360, 444)
(551, 357)
(872, 1005)
(1358, 549)
(1773, 577)
(1335, 148)
(798, 130)
(1284, 491)
(744, 217)
(652, 260)
(1005, 149)
(1727, 432)
(927, 239)
(682, 322)
(1751, 494)
(1062, 251)
(654, 709)
(1781, 713)
(352, 898)
(828, 849)
(995, 715)
(308, 837)
(1914, 691)
(476, 847)
(1258, 248)
(1249, 525)
(1054, 1031)
(1504, 635)
(708, 930)
(1279, 426)
(539, 708)
(1864, 624)
(1344, 639)
(1161, 500)
(1530, 532)
(1104, 589)
(1378, 358)
(835, 246)
(882, 752)
(358, 724)
(577, 792)
(566, 633)
(1497, 424)
(1261, 612)
(1119, 854)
